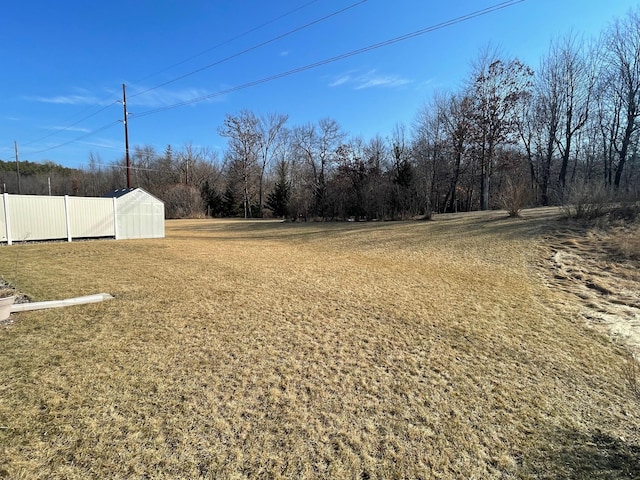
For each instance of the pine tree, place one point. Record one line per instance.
(230, 201)
(278, 200)
(213, 201)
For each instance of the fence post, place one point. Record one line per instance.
(66, 216)
(7, 221)
(115, 218)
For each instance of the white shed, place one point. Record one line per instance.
(138, 214)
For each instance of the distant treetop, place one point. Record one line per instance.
(34, 168)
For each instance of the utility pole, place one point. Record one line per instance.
(126, 135)
(15, 145)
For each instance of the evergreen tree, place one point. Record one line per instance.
(213, 201)
(230, 201)
(278, 200)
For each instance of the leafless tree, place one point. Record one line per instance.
(269, 131)
(577, 80)
(456, 113)
(622, 73)
(316, 147)
(243, 148)
(497, 88)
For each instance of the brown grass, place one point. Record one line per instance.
(627, 242)
(270, 350)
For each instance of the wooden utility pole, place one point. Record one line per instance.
(15, 145)
(126, 135)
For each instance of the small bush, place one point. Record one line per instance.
(588, 201)
(515, 196)
(182, 201)
(629, 212)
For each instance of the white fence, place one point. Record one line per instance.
(31, 217)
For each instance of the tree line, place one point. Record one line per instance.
(508, 137)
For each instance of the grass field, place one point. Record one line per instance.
(269, 350)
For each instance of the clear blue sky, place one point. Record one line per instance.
(65, 60)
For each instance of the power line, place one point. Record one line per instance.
(133, 167)
(70, 125)
(93, 132)
(226, 42)
(375, 46)
(255, 47)
(352, 53)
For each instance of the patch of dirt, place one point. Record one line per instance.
(585, 262)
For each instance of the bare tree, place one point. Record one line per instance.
(269, 130)
(330, 136)
(142, 165)
(545, 120)
(402, 171)
(577, 81)
(622, 64)
(455, 113)
(243, 147)
(378, 187)
(316, 146)
(428, 150)
(305, 168)
(497, 88)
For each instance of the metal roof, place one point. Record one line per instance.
(119, 192)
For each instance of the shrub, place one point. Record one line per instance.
(588, 201)
(515, 196)
(182, 201)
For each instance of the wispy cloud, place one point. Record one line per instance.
(137, 95)
(79, 97)
(375, 80)
(104, 143)
(68, 129)
(162, 97)
(284, 53)
(340, 81)
(370, 79)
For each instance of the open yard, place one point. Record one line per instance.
(324, 350)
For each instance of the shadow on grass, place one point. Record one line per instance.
(576, 455)
(531, 224)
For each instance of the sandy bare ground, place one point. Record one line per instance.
(586, 264)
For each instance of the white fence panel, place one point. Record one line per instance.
(91, 217)
(35, 217)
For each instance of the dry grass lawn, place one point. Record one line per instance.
(269, 350)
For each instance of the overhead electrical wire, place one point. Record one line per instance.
(391, 41)
(352, 53)
(93, 132)
(225, 42)
(255, 47)
(132, 167)
(232, 39)
(62, 129)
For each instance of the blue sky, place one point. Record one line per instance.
(65, 61)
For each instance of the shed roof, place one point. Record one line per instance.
(118, 193)
(121, 192)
